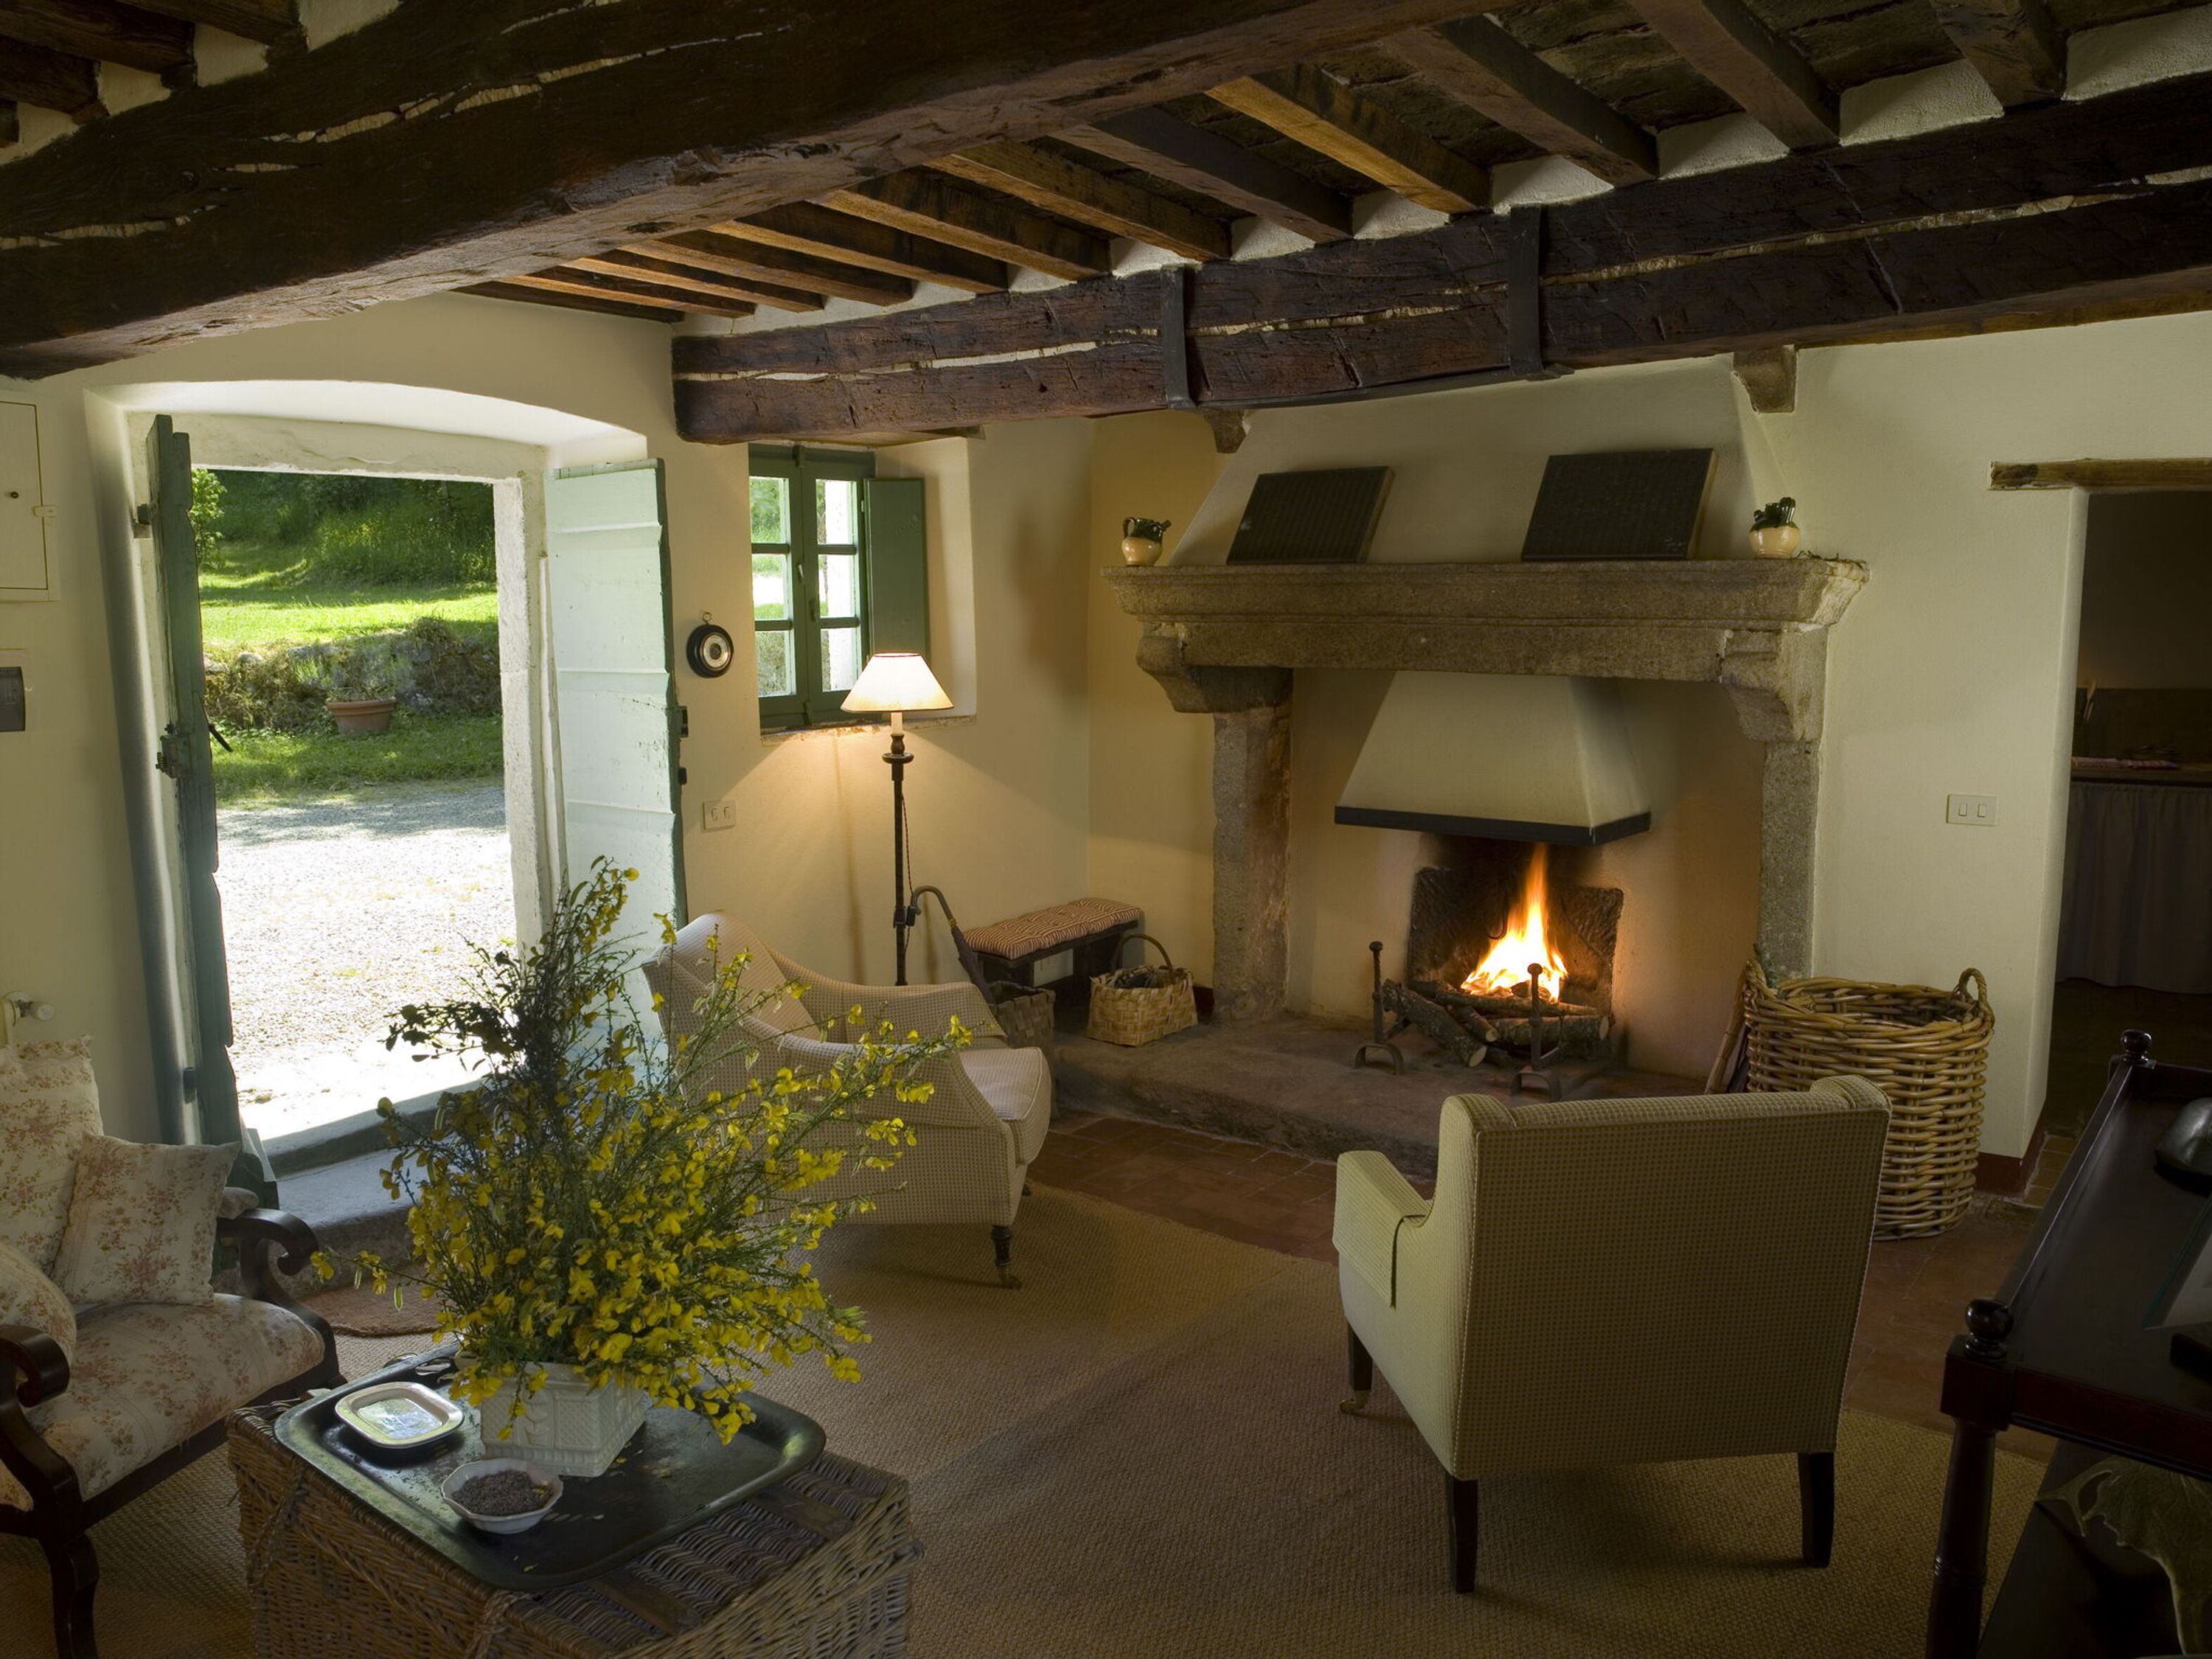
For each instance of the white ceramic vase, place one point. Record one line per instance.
(567, 1426)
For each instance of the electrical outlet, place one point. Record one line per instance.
(1978, 810)
(718, 814)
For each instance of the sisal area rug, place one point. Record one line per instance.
(357, 1310)
(1139, 1454)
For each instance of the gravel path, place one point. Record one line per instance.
(335, 912)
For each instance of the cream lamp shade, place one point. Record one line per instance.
(893, 683)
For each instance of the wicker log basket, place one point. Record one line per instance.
(1927, 1051)
(1132, 1006)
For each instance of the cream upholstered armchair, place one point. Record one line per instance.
(1618, 1281)
(975, 1136)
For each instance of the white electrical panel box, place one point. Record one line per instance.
(26, 558)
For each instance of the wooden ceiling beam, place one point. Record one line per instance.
(921, 205)
(802, 227)
(2106, 203)
(463, 144)
(539, 296)
(1763, 73)
(633, 266)
(592, 284)
(1324, 114)
(1089, 197)
(10, 123)
(101, 30)
(50, 80)
(2016, 46)
(1476, 63)
(728, 256)
(271, 22)
(1168, 146)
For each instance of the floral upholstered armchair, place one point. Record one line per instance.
(119, 1361)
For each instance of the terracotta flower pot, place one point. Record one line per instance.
(361, 717)
(1777, 541)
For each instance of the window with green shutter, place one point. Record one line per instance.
(840, 570)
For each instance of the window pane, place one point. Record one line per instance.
(772, 511)
(841, 658)
(837, 512)
(772, 588)
(841, 584)
(772, 650)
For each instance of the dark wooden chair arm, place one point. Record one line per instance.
(32, 1366)
(258, 1233)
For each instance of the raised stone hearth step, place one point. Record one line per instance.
(1287, 1083)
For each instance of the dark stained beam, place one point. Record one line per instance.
(1477, 62)
(729, 256)
(921, 205)
(2184, 473)
(802, 227)
(1046, 181)
(539, 296)
(2103, 203)
(439, 146)
(563, 280)
(10, 123)
(1763, 73)
(50, 80)
(101, 30)
(667, 273)
(272, 22)
(1323, 114)
(2015, 45)
(1167, 147)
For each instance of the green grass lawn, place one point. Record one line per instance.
(240, 611)
(269, 766)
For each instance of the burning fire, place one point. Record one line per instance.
(1504, 970)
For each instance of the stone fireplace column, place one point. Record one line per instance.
(1251, 861)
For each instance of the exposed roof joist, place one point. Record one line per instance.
(630, 291)
(103, 30)
(271, 22)
(1753, 65)
(729, 256)
(1324, 114)
(924, 206)
(1169, 148)
(1046, 181)
(47, 79)
(668, 273)
(2015, 45)
(1476, 61)
(805, 228)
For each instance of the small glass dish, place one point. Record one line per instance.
(522, 1520)
(401, 1419)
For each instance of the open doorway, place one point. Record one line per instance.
(2135, 946)
(349, 629)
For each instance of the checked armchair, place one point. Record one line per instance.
(985, 1121)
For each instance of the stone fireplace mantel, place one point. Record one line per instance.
(1225, 640)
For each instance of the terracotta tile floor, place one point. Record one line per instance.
(1916, 1291)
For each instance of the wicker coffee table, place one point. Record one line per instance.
(814, 1568)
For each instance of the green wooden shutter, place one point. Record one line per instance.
(898, 564)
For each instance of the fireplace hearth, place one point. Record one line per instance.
(1509, 961)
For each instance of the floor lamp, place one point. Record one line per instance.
(897, 683)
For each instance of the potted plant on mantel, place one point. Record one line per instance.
(360, 701)
(1774, 532)
(603, 1232)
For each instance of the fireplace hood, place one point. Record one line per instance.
(1511, 756)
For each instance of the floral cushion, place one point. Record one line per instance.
(28, 1298)
(148, 1378)
(49, 1106)
(142, 1222)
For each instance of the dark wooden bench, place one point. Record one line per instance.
(1093, 928)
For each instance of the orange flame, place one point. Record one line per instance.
(1504, 970)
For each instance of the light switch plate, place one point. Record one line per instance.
(718, 814)
(1980, 811)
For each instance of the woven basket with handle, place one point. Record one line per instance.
(1136, 1006)
(1928, 1050)
(1025, 1014)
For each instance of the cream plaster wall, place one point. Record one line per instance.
(1953, 672)
(999, 803)
(2147, 591)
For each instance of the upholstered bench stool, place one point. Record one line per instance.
(1091, 927)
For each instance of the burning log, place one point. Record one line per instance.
(1434, 1021)
(1577, 1030)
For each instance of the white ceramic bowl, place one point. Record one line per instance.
(501, 1523)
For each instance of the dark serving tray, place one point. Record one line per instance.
(674, 1474)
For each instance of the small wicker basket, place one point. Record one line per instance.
(1132, 1006)
(1927, 1051)
(1025, 1014)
